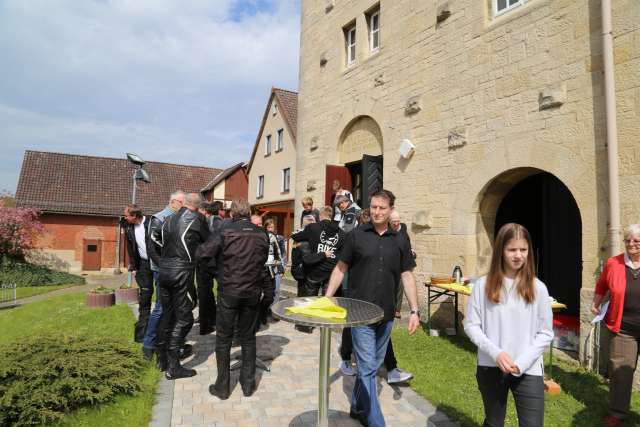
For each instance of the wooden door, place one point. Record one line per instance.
(91, 255)
(371, 177)
(340, 173)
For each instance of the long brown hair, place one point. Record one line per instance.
(526, 276)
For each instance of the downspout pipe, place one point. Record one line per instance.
(612, 128)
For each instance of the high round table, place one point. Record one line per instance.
(359, 313)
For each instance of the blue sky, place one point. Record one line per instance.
(181, 82)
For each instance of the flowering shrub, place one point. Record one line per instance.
(19, 230)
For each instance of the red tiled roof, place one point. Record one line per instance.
(287, 102)
(222, 176)
(74, 184)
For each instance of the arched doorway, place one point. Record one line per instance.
(360, 168)
(546, 207)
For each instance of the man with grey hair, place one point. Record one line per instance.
(238, 254)
(176, 200)
(181, 234)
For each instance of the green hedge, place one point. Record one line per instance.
(24, 274)
(44, 376)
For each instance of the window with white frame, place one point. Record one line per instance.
(374, 30)
(260, 187)
(280, 141)
(267, 145)
(350, 43)
(286, 180)
(502, 6)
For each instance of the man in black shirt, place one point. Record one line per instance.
(377, 258)
(325, 240)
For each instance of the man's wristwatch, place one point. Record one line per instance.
(415, 312)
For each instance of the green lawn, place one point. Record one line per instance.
(444, 374)
(29, 291)
(67, 315)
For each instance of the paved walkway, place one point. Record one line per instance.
(287, 395)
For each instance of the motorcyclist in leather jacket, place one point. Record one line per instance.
(237, 253)
(181, 234)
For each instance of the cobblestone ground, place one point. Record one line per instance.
(287, 395)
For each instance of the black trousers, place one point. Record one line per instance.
(177, 305)
(346, 350)
(268, 296)
(144, 279)
(528, 393)
(311, 288)
(241, 314)
(206, 299)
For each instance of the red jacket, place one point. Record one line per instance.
(613, 280)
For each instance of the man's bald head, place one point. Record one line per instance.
(394, 219)
(193, 201)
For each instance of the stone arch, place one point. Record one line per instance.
(361, 136)
(363, 106)
(475, 206)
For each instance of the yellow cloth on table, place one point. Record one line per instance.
(322, 307)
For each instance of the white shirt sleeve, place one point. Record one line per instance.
(544, 334)
(473, 323)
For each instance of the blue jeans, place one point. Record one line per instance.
(369, 347)
(150, 336)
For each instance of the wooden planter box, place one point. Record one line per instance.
(127, 296)
(96, 300)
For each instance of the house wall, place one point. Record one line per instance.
(237, 185)
(468, 93)
(271, 166)
(62, 241)
(219, 191)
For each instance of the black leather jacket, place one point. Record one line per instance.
(237, 253)
(181, 235)
(132, 244)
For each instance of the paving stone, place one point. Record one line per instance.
(287, 396)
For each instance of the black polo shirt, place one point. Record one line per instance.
(375, 264)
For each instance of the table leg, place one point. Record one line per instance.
(551, 360)
(429, 309)
(323, 378)
(455, 312)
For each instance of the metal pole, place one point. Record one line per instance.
(323, 379)
(133, 197)
(133, 200)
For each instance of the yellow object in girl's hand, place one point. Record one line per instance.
(322, 307)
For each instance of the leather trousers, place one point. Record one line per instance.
(206, 299)
(177, 306)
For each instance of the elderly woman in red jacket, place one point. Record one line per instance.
(621, 280)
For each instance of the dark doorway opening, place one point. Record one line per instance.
(545, 206)
(366, 178)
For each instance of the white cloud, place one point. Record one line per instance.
(173, 78)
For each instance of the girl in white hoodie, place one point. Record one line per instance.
(509, 318)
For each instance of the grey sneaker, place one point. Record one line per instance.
(398, 376)
(347, 369)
